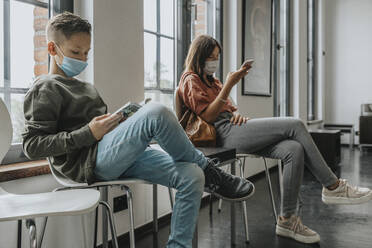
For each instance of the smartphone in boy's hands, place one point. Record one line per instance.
(130, 108)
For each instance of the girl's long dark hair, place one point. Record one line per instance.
(200, 49)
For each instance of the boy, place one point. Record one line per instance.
(67, 121)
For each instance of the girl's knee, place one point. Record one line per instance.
(295, 149)
(297, 123)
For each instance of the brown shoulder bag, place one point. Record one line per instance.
(200, 132)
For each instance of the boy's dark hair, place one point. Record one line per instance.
(67, 24)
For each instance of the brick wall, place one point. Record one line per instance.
(40, 43)
(200, 26)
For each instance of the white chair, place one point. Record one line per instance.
(179, 110)
(31, 206)
(123, 184)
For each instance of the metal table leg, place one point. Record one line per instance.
(104, 197)
(155, 208)
(195, 238)
(232, 212)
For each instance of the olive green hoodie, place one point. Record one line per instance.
(57, 112)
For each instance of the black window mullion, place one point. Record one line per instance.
(183, 33)
(59, 6)
(219, 32)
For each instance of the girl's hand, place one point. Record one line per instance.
(234, 77)
(237, 119)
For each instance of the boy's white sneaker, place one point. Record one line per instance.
(346, 194)
(293, 228)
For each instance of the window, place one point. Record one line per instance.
(159, 50)
(206, 19)
(169, 27)
(23, 56)
(281, 58)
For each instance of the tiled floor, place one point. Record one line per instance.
(338, 226)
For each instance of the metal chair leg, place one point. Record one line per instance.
(244, 205)
(219, 205)
(43, 227)
(270, 190)
(155, 208)
(210, 205)
(30, 224)
(131, 216)
(280, 169)
(104, 197)
(95, 228)
(112, 224)
(195, 238)
(220, 200)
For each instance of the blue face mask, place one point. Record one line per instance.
(70, 66)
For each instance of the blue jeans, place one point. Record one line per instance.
(124, 153)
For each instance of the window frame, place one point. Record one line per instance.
(312, 60)
(158, 36)
(182, 37)
(15, 153)
(278, 87)
(184, 33)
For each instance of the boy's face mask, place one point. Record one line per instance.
(211, 66)
(70, 66)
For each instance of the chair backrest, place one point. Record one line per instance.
(179, 106)
(6, 130)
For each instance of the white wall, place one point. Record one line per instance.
(118, 48)
(251, 106)
(348, 59)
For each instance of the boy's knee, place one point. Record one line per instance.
(159, 110)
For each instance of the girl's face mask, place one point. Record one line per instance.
(211, 66)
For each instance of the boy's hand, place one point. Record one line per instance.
(100, 125)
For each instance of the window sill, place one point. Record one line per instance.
(314, 122)
(23, 170)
